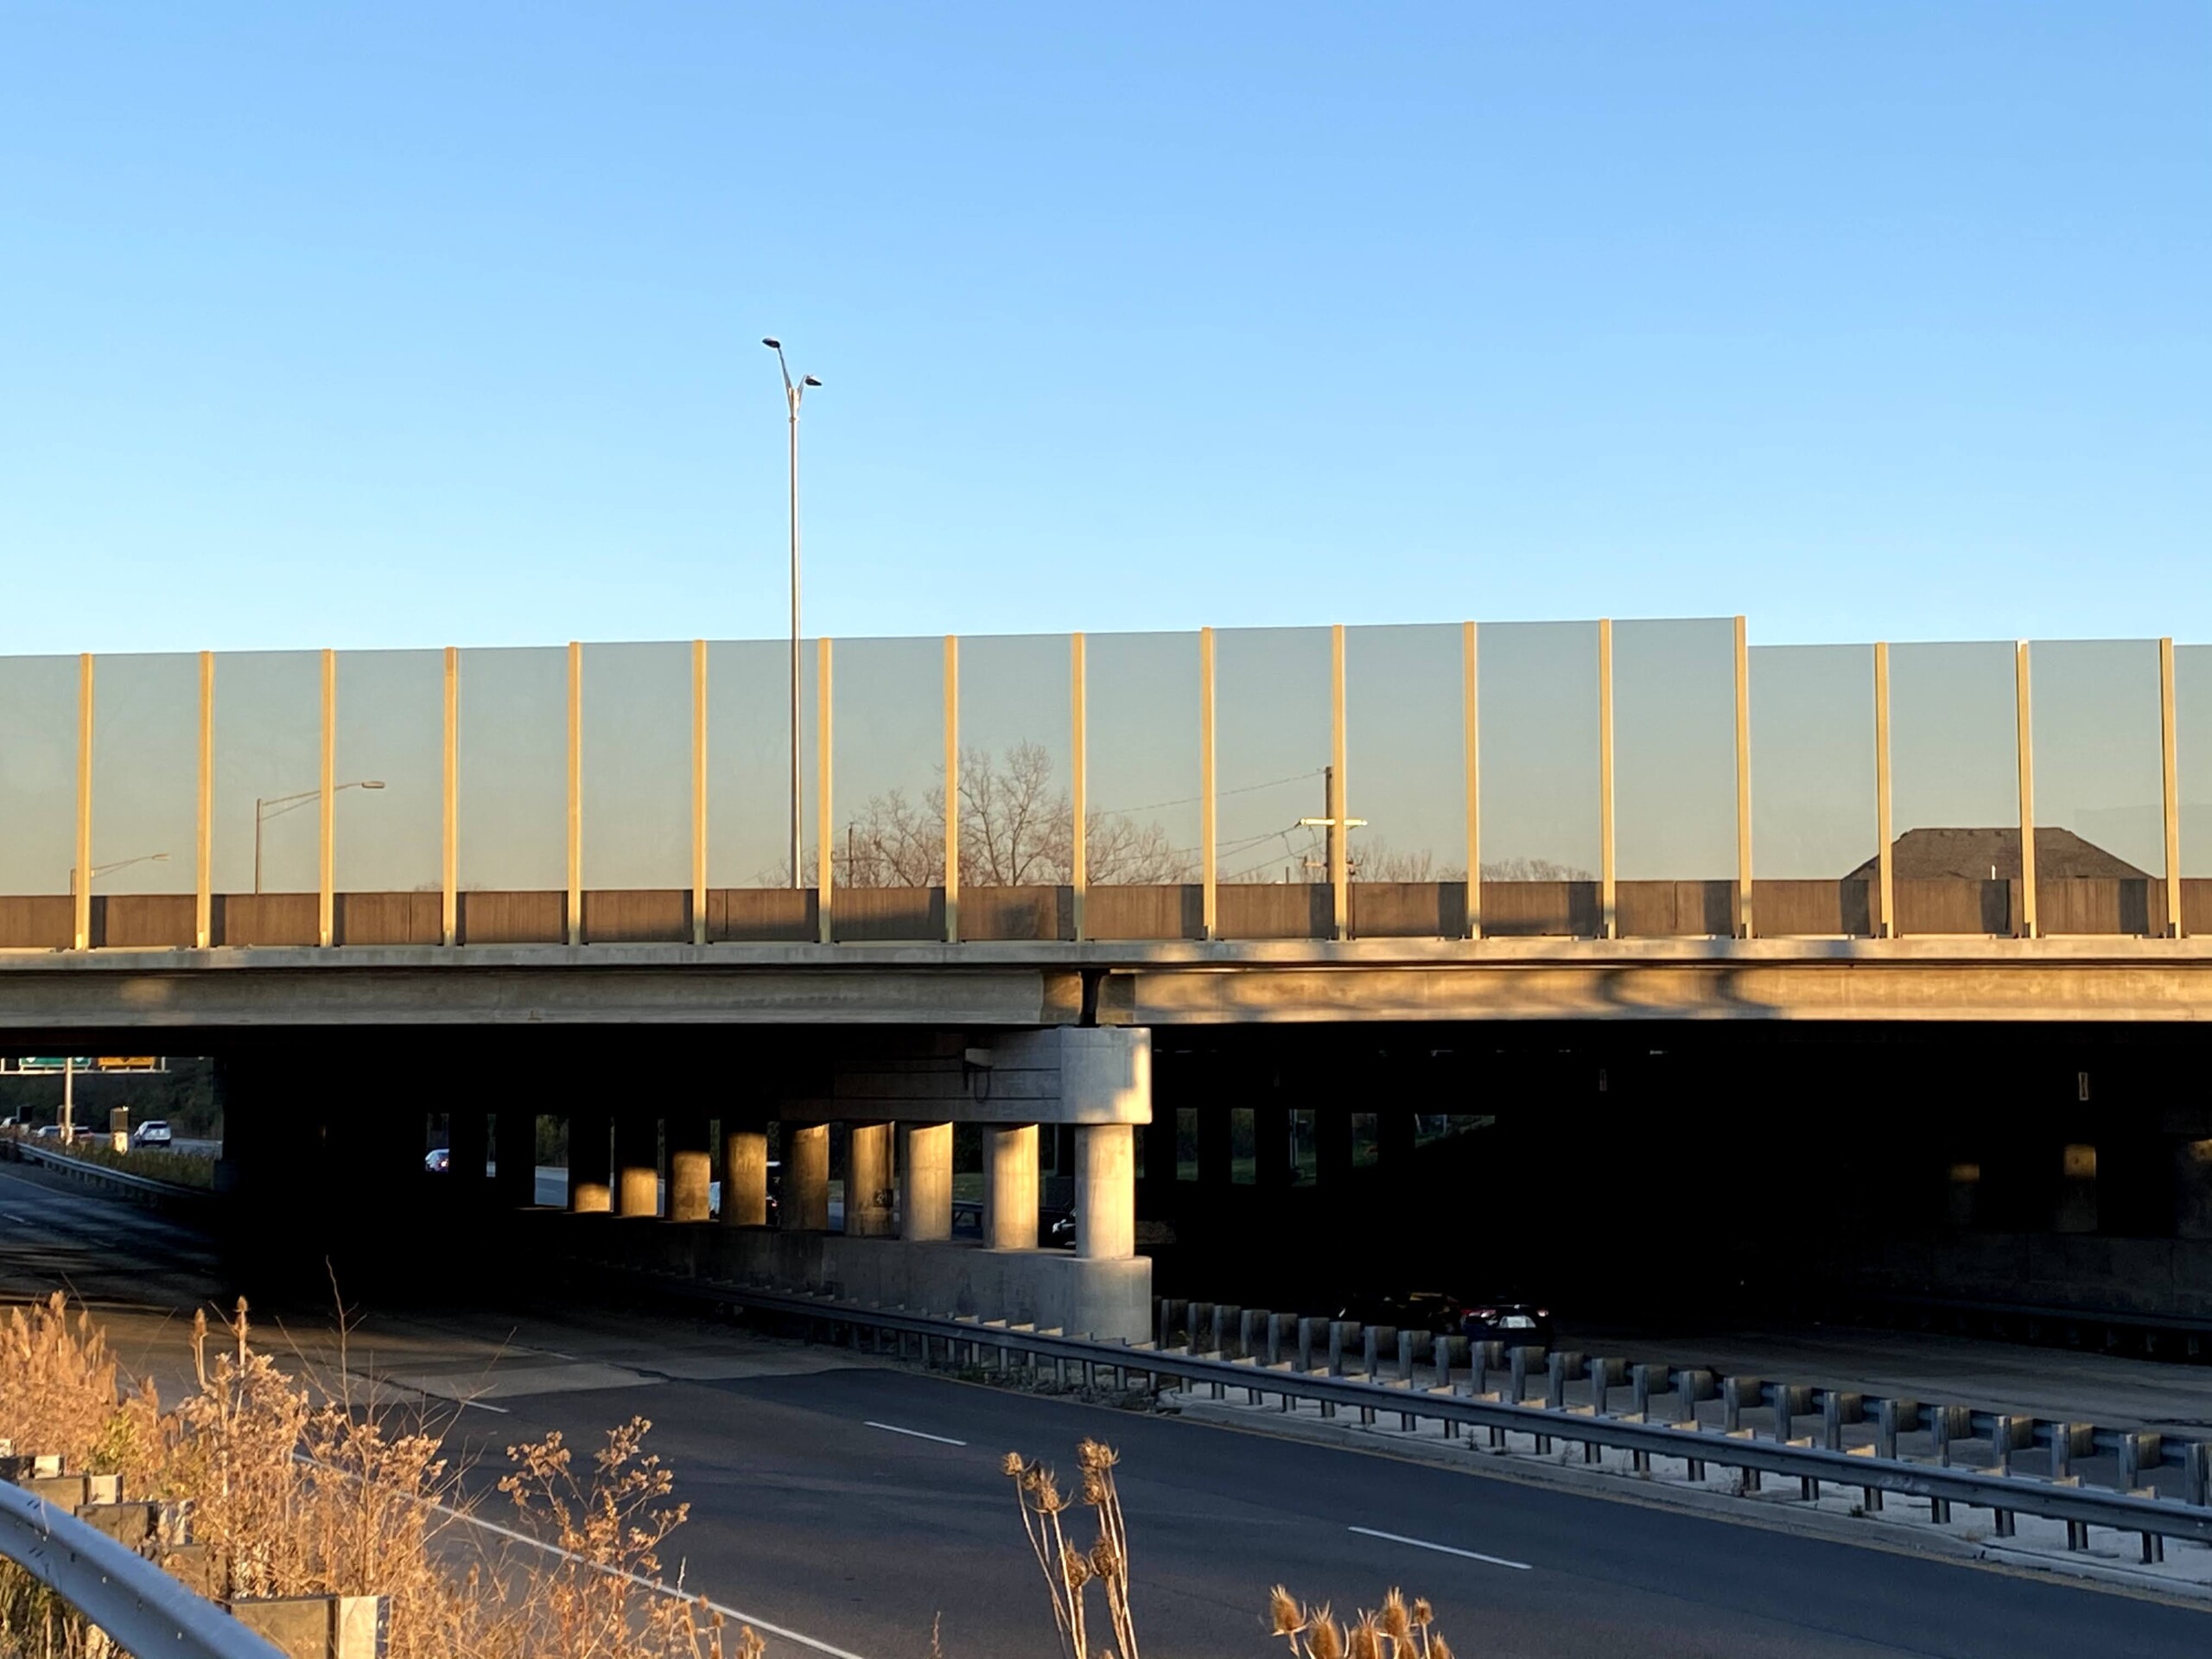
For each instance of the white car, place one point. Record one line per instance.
(152, 1133)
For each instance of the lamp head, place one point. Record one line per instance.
(809, 381)
(771, 343)
(371, 783)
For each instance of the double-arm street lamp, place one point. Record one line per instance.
(794, 394)
(276, 806)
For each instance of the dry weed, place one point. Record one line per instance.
(1069, 1571)
(1396, 1630)
(292, 1497)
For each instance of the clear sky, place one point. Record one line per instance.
(411, 324)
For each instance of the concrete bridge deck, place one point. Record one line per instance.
(2104, 978)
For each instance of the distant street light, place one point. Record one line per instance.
(276, 806)
(99, 870)
(794, 394)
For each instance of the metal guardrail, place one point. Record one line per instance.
(29, 1152)
(146, 1612)
(2135, 1509)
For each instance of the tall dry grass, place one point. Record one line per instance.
(1396, 1630)
(1071, 1572)
(292, 1494)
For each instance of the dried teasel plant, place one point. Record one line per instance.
(1070, 1571)
(1398, 1630)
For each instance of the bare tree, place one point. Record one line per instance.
(1016, 830)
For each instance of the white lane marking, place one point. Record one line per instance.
(894, 1428)
(723, 1608)
(23, 1221)
(1442, 1549)
(484, 1404)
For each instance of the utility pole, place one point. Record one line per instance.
(1329, 823)
(69, 1099)
(794, 394)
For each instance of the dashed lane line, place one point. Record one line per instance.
(894, 1428)
(1442, 1549)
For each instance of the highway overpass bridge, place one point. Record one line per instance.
(505, 884)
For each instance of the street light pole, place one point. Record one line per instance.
(284, 804)
(794, 394)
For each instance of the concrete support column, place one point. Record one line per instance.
(1272, 1168)
(1332, 1146)
(1159, 1150)
(1393, 1138)
(867, 1182)
(2192, 1170)
(515, 1151)
(745, 1174)
(591, 1190)
(2077, 1210)
(1010, 1200)
(805, 1204)
(1217, 1144)
(925, 1180)
(1105, 1191)
(637, 1163)
(468, 1145)
(690, 1167)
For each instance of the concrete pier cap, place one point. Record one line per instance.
(1096, 1080)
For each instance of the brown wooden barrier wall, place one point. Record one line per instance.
(1271, 911)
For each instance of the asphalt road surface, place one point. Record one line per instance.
(853, 1503)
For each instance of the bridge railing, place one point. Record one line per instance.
(1598, 779)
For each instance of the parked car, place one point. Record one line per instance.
(1516, 1323)
(152, 1133)
(47, 1132)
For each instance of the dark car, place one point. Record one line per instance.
(1518, 1324)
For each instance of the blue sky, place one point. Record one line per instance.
(414, 324)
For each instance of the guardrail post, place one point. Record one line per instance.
(1737, 1392)
(1559, 1368)
(1451, 1354)
(2139, 1450)
(2196, 1473)
(1942, 1423)
(1341, 1332)
(1605, 1375)
(1311, 1332)
(1282, 1330)
(1198, 1328)
(1405, 1356)
(1171, 1315)
(1252, 1333)
(1227, 1316)
(2068, 1442)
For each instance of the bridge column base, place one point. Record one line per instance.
(1052, 1289)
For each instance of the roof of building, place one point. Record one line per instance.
(1994, 854)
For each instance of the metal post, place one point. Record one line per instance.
(449, 830)
(575, 792)
(698, 791)
(1079, 737)
(1888, 925)
(325, 809)
(823, 816)
(203, 895)
(1470, 762)
(2026, 925)
(1211, 920)
(2171, 771)
(951, 789)
(1742, 782)
(80, 886)
(1610, 920)
(1339, 824)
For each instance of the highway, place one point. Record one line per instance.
(854, 1503)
